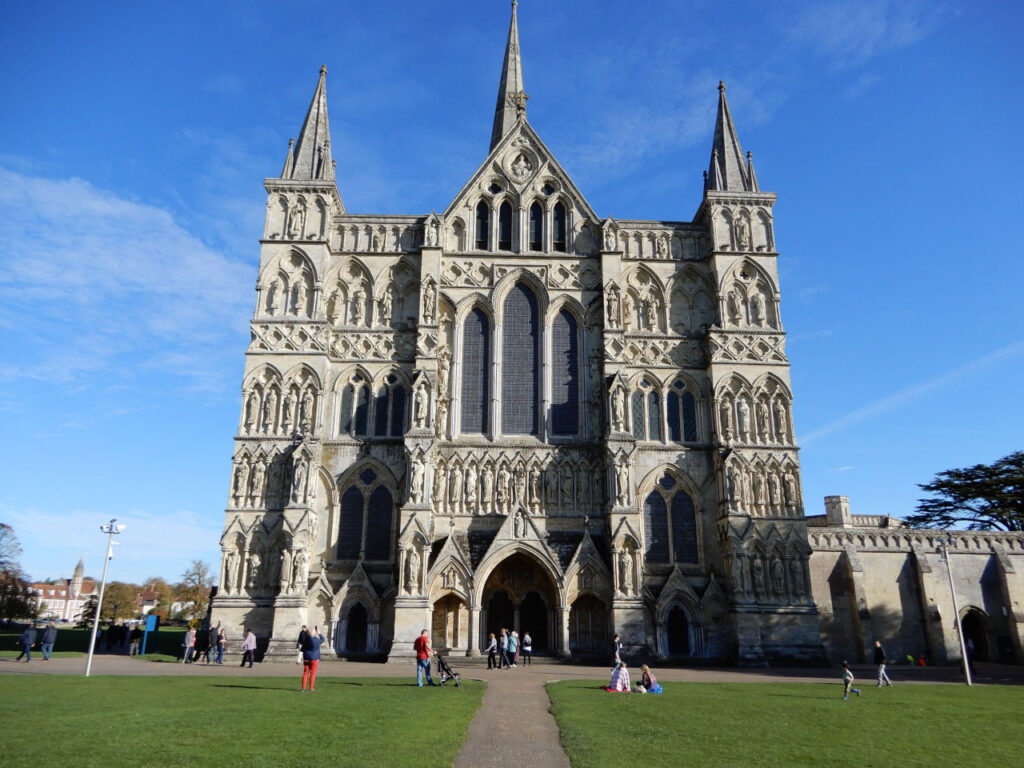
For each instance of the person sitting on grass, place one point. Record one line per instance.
(620, 680)
(647, 684)
(848, 682)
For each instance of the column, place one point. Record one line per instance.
(563, 649)
(474, 624)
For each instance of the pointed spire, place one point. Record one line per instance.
(80, 568)
(751, 176)
(311, 156)
(728, 170)
(289, 161)
(511, 96)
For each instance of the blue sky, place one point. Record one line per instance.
(136, 137)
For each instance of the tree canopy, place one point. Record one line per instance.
(987, 497)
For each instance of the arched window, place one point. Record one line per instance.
(366, 513)
(354, 415)
(682, 414)
(565, 377)
(520, 377)
(558, 238)
(536, 227)
(645, 403)
(653, 416)
(483, 225)
(639, 422)
(389, 409)
(505, 227)
(476, 358)
(362, 411)
(669, 509)
(345, 417)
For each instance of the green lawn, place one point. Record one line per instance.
(74, 642)
(250, 721)
(790, 724)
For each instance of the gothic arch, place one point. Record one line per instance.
(570, 304)
(475, 300)
(505, 285)
(531, 549)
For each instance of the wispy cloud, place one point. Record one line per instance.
(893, 401)
(846, 468)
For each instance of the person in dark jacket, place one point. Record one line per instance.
(880, 661)
(49, 638)
(27, 640)
(311, 658)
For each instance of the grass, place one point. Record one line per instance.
(753, 724)
(250, 721)
(75, 642)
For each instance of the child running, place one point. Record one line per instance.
(848, 682)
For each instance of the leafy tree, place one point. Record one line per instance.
(10, 550)
(85, 619)
(16, 600)
(986, 496)
(123, 598)
(194, 589)
(164, 596)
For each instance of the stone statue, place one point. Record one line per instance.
(429, 300)
(306, 412)
(518, 525)
(455, 489)
(440, 484)
(796, 577)
(230, 566)
(412, 572)
(503, 489)
(270, 412)
(742, 234)
(613, 308)
(619, 409)
(609, 239)
(375, 243)
(725, 417)
(622, 474)
(661, 248)
(299, 481)
(286, 571)
(256, 484)
(287, 409)
(488, 488)
(521, 168)
(732, 485)
(444, 361)
(254, 570)
(790, 489)
(358, 307)
(299, 298)
(758, 569)
(737, 575)
(626, 573)
(732, 305)
(774, 490)
(471, 486)
(743, 419)
(274, 482)
(627, 312)
(441, 426)
(534, 488)
(758, 489)
(416, 481)
(763, 422)
(384, 307)
(252, 407)
(420, 407)
(296, 219)
(431, 234)
(334, 305)
(778, 577)
(566, 488)
(300, 571)
(274, 297)
(781, 430)
(239, 484)
(757, 309)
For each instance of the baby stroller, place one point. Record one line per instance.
(445, 672)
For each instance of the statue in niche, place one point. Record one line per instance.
(502, 491)
(230, 566)
(628, 308)
(296, 220)
(519, 481)
(774, 491)
(252, 407)
(254, 570)
(471, 487)
(518, 525)
(733, 487)
(286, 571)
(619, 409)
(732, 306)
(609, 239)
(737, 574)
(781, 431)
(287, 409)
(375, 243)
(743, 419)
(725, 417)
(487, 477)
(440, 485)
(763, 422)
(626, 573)
(622, 475)
(455, 489)
(416, 481)
(757, 309)
(796, 576)
(429, 300)
(299, 481)
(239, 484)
(274, 297)
(334, 305)
(790, 490)
(758, 569)
(384, 307)
(299, 298)
(269, 412)
(412, 572)
(420, 407)
(646, 316)
(778, 577)
(431, 234)
(534, 488)
(256, 483)
(444, 361)
(300, 571)
(745, 483)
(274, 483)
(521, 168)
(566, 488)
(306, 412)
(613, 308)
(441, 427)
(358, 307)
(758, 490)
(661, 247)
(742, 233)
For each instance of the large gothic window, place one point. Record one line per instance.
(536, 227)
(558, 227)
(645, 403)
(670, 524)
(389, 409)
(565, 366)
(682, 414)
(366, 514)
(505, 227)
(483, 225)
(520, 372)
(476, 356)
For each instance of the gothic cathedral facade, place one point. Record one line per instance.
(516, 413)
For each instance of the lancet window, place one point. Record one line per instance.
(483, 226)
(682, 414)
(565, 378)
(476, 358)
(505, 227)
(645, 403)
(354, 412)
(389, 409)
(364, 528)
(670, 524)
(558, 228)
(536, 227)
(520, 386)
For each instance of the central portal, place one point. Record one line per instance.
(519, 595)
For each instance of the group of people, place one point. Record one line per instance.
(30, 637)
(620, 682)
(504, 651)
(883, 676)
(197, 647)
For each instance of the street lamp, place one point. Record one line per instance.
(943, 542)
(111, 529)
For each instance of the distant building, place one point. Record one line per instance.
(64, 600)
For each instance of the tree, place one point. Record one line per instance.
(988, 497)
(10, 550)
(194, 589)
(164, 596)
(121, 597)
(16, 600)
(88, 614)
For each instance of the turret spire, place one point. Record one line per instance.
(511, 96)
(311, 156)
(729, 170)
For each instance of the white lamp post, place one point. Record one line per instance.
(111, 529)
(943, 542)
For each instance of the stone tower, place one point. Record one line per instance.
(515, 413)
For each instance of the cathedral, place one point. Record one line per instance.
(518, 413)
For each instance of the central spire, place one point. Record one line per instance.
(511, 96)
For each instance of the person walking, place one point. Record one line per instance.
(135, 641)
(880, 661)
(848, 682)
(311, 657)
(503, 647)
(188, 642)
(616, 653)
(248, 647)
(492, 652)
(211, 644)
(222, 642)
(422, 648)
(27, 640)
(49, 638)
(527, 649)
(201, 654)
(513, 647)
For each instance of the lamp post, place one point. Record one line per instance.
(943, 542)
(111, 529)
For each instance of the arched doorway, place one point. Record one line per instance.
(677, 627)
(588, 626)
(449, 629)
(355, 635)
(519, 594)
(975, 635)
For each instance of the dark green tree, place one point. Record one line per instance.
(88, 615)
(987, 497)
(16, 600)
